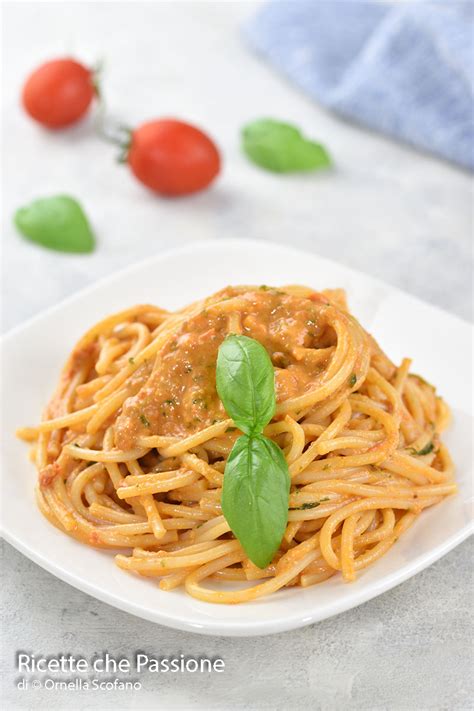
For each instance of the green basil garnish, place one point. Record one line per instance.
(245, 382)
(255, 496)
(281, 148)
(256, 478)
(57, 222)
(427, 449)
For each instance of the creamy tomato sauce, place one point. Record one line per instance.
(180, 397)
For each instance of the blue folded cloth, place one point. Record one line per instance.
(406, 70)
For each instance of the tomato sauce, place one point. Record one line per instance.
(180, 397)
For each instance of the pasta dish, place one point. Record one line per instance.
(236, 465)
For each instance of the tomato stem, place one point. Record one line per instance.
(108, 129)
(96, 76)
(114, 132)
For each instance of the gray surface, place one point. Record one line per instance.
(385, 209)
(407, 649)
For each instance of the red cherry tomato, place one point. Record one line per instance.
(58, 93)
(172, 157)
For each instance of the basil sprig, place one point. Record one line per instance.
(256, 478)
(282, 148)
(246, 383)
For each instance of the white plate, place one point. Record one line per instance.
(33, 354)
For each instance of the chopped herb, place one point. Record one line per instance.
(264, 287)
(162, 563)
(131, 360)
(353, 380)
(170, 401)
(144, 420)
(326, 467)
(310, 322)
(427, 449)
(230, 429)
(309, 505)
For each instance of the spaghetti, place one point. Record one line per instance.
(132, 448)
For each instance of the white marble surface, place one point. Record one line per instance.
(385, 209)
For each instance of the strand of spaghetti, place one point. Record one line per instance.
(142, 338)
(66, 519)
(93, 455)
(365, 490)
(78, 486)
(176, 549)
(107, 514)
(73, 418)
(191, 461)
(347, 547)
(336, 425)
(147, 501)
(298, 439)
(379, 533)
(157, 526)
(317, 512)
(176, 482)
(291, 530)
(401, 375)
(335, 519)
(153, 478)
(110, 351)
(406, 465)
(377, 453)
(373, 554)
(229, 574)
(352, 442)
(180, 511)
(172, 581)
(222, 597)
(106, 409)
(156, 441)
(175, 450)
(183, 561)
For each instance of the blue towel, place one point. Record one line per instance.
(406, 70)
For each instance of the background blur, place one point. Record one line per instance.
(385, 209)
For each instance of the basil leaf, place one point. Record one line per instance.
(245, 382)
(280, 147)
(255, 496)
(56, 222)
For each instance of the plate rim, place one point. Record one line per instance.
(248, 629)
(228, 241)
(219, 627)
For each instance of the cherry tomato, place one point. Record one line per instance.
(58, 93)
(172, 157)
